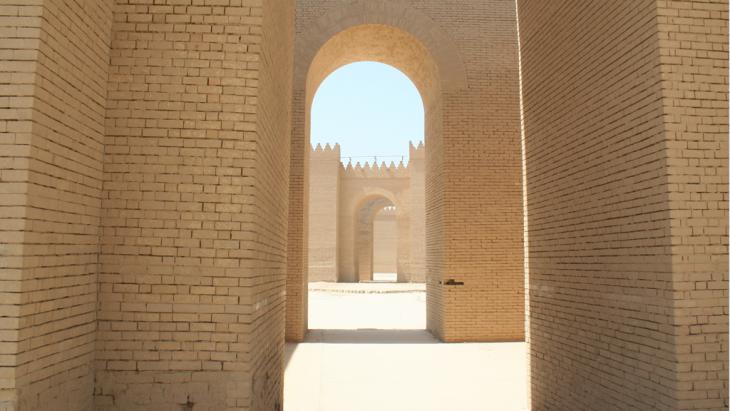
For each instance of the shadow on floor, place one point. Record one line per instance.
(361, 336)
(370, 336)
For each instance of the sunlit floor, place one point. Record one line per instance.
(385, 277)
(367, 350)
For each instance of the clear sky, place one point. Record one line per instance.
(370, 109)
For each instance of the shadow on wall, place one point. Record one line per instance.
(370, 336)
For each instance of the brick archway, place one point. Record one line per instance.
(398, 14)
(359, 42)
(473, 204)
(362, 239)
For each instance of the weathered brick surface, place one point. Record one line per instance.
(194, 230)
(625, 127)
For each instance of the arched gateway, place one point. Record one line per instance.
(478, 242)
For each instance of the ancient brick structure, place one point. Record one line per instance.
(153, 193)
(345, 202)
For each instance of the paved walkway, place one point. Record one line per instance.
(368, 351)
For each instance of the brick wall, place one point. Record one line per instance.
(56, 55)
(193, 245)
(693, 48)
(473, 182)
(434, 200)
(20, 27)
(417, 172)
(297, 290)
(323, 205)
(627, 233)
(273, 131)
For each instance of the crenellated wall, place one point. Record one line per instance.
(324, 192)
(344, 200)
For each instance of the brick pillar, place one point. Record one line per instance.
(625, 135)
(417, 211)
(324, 199)
(296, 279)
(473, 189)
(53, 90)
(193, 262)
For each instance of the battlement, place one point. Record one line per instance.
(326, 151)
(376, 170)
(368, 169)
(416, 151)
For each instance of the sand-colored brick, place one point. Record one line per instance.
(52, 98)
(193, 249)
(344, 200)
(625, 126)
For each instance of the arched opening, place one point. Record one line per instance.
(372, 110)
(376, 43)
(468, 240)
(364, 249)
(385, 245)
(364, 238)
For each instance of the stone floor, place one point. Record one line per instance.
(367, 350)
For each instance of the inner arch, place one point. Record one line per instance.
(382, 44)
(373, 110)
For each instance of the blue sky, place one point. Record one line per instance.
(370, 109)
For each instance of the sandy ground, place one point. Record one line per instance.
(367, 350)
